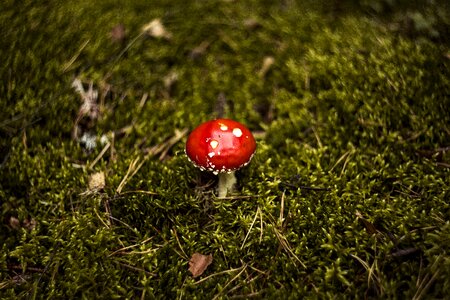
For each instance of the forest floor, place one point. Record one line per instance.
(347, 195)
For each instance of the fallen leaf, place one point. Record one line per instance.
(14, 223)
(198, 263)
(369, 226)
(29, 224)
(118, 33)
(97, 181)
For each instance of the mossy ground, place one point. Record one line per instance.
(347, 197)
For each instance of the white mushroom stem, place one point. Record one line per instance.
(226, 183)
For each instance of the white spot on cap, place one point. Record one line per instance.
(237, 132)
(223, 127)
(214, 144)
(211, 154)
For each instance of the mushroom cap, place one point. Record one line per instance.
(221, 145)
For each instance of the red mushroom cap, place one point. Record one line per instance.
(221, 145)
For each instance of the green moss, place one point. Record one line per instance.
(346, 197)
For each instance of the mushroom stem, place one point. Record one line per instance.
(226, 183)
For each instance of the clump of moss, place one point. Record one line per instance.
(347, 194)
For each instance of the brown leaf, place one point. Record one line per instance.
(118, 33)
(29, 224)
(371, 229)
(198, 263)
(14, 223)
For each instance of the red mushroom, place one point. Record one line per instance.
(221, 146)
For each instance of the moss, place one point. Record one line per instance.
(346, 197)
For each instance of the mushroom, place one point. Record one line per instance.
(221, 146)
